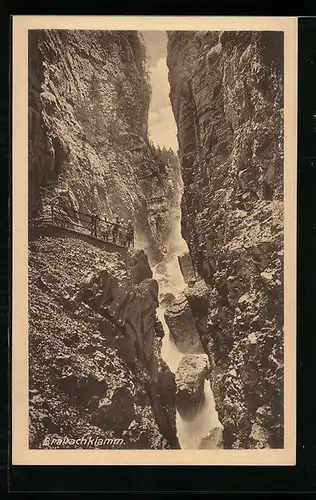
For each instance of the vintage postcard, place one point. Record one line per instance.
(154, 240)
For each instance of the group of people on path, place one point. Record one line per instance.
(117, 232)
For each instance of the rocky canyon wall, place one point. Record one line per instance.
(226, 90)
(95, 367)
(94, 350)
(88, 107)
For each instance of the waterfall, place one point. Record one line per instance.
(163, 131)
(190, 432)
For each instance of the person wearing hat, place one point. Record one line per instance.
(115, 229)
(106, 232)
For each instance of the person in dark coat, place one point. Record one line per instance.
(115, 229)
(130, 233)
(106, 233)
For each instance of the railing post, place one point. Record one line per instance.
(96, 226)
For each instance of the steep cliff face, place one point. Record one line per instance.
(94, 338)
(94, 350)
(227, 99)
(88, 106)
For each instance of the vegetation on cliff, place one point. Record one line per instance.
(89, 95)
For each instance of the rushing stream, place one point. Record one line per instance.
(190, 432)
(167, 273)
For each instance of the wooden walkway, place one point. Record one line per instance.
(36, 231)
(54, 220)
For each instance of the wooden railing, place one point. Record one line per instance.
(84, 223)
(92, 224)
(88, 224)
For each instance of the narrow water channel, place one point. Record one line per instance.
(163, 132)
(190, 432)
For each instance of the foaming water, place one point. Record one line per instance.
(171, 281)
(191, 432)
(169, 351)
(169, 277)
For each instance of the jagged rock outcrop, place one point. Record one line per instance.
(213, 441)
(161, 188)
(227, 99)
(186, 267)
(198, 297)
(190, 377)
(95, 364)
(88, 105)
(181, 324)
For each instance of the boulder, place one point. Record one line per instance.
(186, 267)
(198, 298)
(190, 378)
(138, 265)
(213, 441)
(180, 321)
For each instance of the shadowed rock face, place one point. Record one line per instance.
(190, 377)
(94, 337)
(186, 267)
(95, 364)
(180, 321)
(88, 105)
(227, 99)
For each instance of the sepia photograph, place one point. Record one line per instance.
(156, 251)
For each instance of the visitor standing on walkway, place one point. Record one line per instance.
(115, 229)
(94, 223)
(106, 232)
(130, 234)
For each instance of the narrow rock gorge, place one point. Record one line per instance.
(226, 90)
(89, 96)
(175, 341)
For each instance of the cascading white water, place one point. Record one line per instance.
(190, 432)
(163, 131)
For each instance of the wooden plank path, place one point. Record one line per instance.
(90, 227)
(54, 220)
(48, 229)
